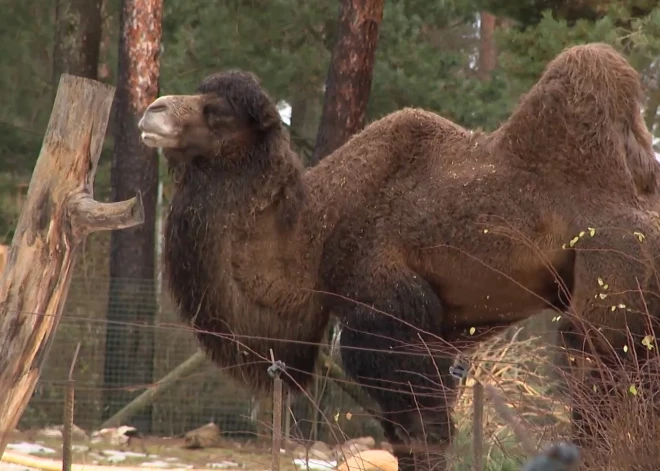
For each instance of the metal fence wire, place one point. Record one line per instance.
(201, 396)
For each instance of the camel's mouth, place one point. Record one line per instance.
(156, 130)
(153, 139)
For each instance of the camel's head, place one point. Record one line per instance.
(228, 112)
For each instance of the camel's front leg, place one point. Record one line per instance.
(383, 348)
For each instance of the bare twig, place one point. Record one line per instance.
(67, 427)
(522, 435)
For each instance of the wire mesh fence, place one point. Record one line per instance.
(114, 352)
(122, 324)
(130, 339)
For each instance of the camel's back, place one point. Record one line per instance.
(386, 154)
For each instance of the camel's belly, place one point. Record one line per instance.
(485, 292)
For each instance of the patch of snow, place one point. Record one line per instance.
(223, 465)
(29, 448)
(156, 464)
(116, 456)
(314, 464)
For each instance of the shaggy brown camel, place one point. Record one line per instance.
(416, 232)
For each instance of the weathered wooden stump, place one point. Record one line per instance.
(59, 213)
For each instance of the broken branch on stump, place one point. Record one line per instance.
(57, 216)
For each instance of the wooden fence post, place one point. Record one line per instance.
(478, 427)
(59, 213)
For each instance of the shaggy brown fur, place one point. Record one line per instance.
(415, 230)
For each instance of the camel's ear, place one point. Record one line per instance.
(257, 110)
(243, 93)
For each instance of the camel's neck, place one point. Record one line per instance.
(238, 263)
(250, 216)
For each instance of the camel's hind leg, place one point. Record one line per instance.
(390, 359)
(614, 307)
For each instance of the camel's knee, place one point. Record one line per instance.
(422, 443)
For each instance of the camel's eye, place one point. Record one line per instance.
(210, 110)
(218, 115)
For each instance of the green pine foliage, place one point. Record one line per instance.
(423, 58)
(528, 46)
(426, 55)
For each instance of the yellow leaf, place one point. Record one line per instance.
(581, 234)
(625, 348)
(485, 231)
(472, 330)
(633, 390)
(648, 342)
(563, 246)
(613, 308)
(348, 416)
(595, 388)
(337, 417)
(605, 286)
(573, 241)
(600, 282)
(602, 295)
(622, 306)
(592, 231)
(640, 236)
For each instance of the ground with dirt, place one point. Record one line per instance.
(152, 452)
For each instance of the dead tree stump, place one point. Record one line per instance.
(59, 213)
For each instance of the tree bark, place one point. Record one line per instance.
(77, 38)
(59, 213)
(132, 308)
(305, 114)
(108, 26)
(348, 83)
(487, 48)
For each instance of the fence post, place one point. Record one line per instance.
(274, 370)
(478, 426)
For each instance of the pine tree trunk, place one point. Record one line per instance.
(305, 114)
(77, 38)
(107, 29)
(132, 308)
(487, 48)
(349, 78)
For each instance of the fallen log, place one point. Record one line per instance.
(124, 415)
(58, 214)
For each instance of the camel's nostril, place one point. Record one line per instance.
(157, 108)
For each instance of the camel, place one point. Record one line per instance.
(417, 235)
